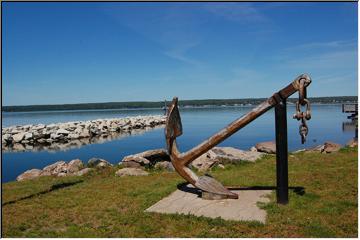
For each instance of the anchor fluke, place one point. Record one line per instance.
(173, 125)
(212, 189)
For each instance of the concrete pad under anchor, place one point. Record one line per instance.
(187, 200)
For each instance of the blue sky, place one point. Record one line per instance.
(57, 53)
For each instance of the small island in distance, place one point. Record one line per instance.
(160, 104)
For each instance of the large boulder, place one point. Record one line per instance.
(83, 171)
(62, 131)
(28, 136)
(266, 147)
(73, 136)
(55, 168)
(224, 155)
(29, 174)
(18, 137)
(74, 166)
(131, 164)
(38, 127)
(131, 172)
(98, 163)
(205, 161)
(165, 166)
(7, 138)
(233, 155)
(147, 158)
(330, 147)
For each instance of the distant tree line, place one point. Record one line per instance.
(160, 104)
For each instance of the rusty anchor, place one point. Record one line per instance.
(211, 188)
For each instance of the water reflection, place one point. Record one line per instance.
(351, 126)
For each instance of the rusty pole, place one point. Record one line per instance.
(282, 192)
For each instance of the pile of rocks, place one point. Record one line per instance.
(327, 147)
(28, 137)
(159, 159)
(135, 165)
(61, 168)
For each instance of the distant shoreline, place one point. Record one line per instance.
(160, 104)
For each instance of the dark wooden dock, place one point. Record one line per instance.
(351, 108)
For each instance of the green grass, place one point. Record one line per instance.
(102, 205)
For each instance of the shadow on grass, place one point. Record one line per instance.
(52, 188)
(183, 187)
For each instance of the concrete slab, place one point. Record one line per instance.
(187, 200)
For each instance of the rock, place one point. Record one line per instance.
(84, 134)
(266, 147)
(253, 149)
(61, 174)
(29, 174)
(56, 168)
(51, 126)
(131, 164)
(232, 155)
(83, 172)
(221, 166)
(165, 166)
(352, 143)
(7, 138)
(55, 136)
(98, 162)
(37, 135)
(330, 147)
(15, 131)
(73, 136)
(205, 161)
(131, 172)
(62, 131)
(74, 166)
(224, 155)
(28, 136)
(38, 127)
(94, 131)
(149, 157)
(318, 148)
(19, 136)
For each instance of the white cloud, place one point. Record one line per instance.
(324, 45)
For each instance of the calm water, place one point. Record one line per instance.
(198, 124)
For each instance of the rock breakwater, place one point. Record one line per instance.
(64, 135)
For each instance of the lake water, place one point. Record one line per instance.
(327, 124)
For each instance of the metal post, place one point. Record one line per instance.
(282, 193)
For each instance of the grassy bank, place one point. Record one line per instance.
(323, 203)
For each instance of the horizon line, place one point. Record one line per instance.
(146, 101)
